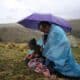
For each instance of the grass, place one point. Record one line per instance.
(76, 52)
(12, 66)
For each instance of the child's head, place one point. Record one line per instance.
(32, 44)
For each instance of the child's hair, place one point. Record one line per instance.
(32, 41)
(33, 45)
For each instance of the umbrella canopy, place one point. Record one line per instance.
(33, 20)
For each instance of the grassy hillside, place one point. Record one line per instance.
(75, 27)
(16, 33)
(12, 66)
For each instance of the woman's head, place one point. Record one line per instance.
(44, 26)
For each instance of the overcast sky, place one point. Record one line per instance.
(15, 10)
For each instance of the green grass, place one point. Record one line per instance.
(76, 53)
(12, 66)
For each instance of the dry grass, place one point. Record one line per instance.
(12, 66)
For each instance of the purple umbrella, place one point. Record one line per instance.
(33, 20)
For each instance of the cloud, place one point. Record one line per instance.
(15, 10)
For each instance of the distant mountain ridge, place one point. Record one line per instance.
(17, 33)
(75, 25)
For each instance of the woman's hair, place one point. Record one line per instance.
(44, 24)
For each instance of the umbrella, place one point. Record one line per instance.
(33, 20)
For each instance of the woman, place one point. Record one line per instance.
(57, 49)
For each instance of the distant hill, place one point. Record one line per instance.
(75, 25)
(15, 32)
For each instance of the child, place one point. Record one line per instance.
(37, 51)
(35, 60)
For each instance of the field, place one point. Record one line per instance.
(12, 66)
